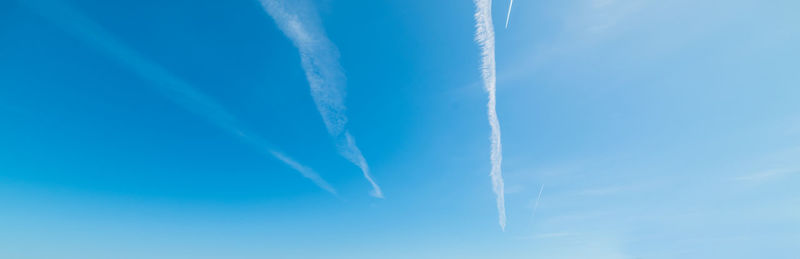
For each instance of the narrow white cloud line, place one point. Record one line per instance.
(175, 88)
(304, 170)
(508, 16)
(320, 61)
(484, 35)
(539, 197)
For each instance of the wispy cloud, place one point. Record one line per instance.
(538, 198)
(304, 170)
(765, 175)
(508, 16)
(548, 235)
(484, 35)
(613, 189)
(320, 60)
(181, 92)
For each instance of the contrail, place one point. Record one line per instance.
(320, 60)
(484, 35)
(508, 16)
(75, 23)
(536, 205)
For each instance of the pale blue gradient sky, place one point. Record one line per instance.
(659, 130)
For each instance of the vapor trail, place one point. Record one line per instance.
(536, 205)
(508, 16)
(75, 23)
(484, 35)
(320, 61)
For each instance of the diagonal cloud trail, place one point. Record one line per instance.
(484, 35)
(175, 88)
(535, 206)
(508, 16)
(320, 61)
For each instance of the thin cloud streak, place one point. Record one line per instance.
(508, 16)
(304, 170)
(539, 197)
(175, 88)
(320, 61)
(765, 175)
(484, 35)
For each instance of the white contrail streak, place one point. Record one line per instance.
(536, 205)
(320, 60)
(508, 16)
(484, 35)
(180, 91)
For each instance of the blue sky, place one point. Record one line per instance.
(175, 129)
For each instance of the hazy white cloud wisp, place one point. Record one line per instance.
(320, 61)
(484, 35)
